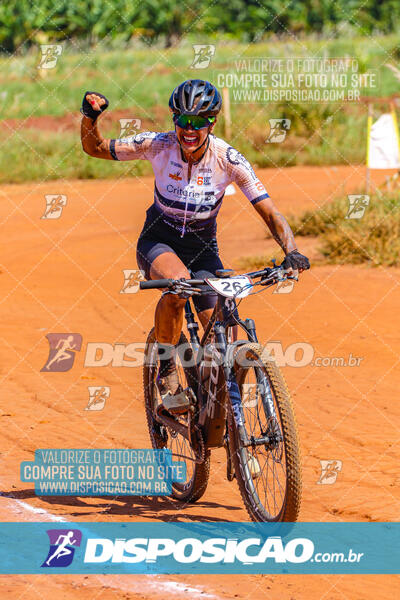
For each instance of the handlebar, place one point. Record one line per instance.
(166, 283)
(269, 277)
(154, 284)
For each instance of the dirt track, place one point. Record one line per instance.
(65, 276)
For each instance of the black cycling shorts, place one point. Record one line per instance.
(198, 251)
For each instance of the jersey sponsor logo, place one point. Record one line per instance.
(236, 158)
(260, 186)
(203, 180)
(145, 135)
(175, 176)
(175, 164)
(182, 192)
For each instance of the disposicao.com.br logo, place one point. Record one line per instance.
(194, 550)
(224, 548)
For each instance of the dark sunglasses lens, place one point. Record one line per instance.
(196, 122)
(199, 122)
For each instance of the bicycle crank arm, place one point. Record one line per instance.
(165, 418)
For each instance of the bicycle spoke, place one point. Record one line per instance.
(270, 484)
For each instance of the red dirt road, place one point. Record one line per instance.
(65, 275)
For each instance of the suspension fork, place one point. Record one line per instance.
(250, 327)
(192, 326)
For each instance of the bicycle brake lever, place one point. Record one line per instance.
(184, 289)
(269, 277)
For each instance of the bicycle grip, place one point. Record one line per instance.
(154, 284)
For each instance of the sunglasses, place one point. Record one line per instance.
(196, 121)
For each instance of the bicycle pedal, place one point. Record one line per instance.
(178, 404)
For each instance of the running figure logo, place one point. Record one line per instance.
(284, 287)
(62, 351)
(54, 206)
(278, 130)
(62, 547)
(251, 394)
(329, 471)
(357, 206)
(129, 127)
(50, 54)
(97, 397)
(132, 279)
(203, 54)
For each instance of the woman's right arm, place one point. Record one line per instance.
(93, 142)
(143, 146)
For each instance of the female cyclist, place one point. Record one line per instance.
(192, 168)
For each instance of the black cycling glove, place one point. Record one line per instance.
(295, 261)
(88, 110)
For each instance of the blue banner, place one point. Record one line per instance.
(103, 472)
(200, 548)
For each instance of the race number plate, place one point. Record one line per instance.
(231, 287)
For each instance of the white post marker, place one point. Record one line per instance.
(369, 123)
(226, 105)
(383, 148)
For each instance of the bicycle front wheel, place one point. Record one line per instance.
(264, 447)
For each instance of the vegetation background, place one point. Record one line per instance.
(136, 52)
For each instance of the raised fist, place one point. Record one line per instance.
(93, 104)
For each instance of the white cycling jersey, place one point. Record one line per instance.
(193, 204)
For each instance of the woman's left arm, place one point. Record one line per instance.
(277, 224)
(283, 235)
(241, 172)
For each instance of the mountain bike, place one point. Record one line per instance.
(238, 400)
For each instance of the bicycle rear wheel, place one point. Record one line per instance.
(197, 474)
(264, 449)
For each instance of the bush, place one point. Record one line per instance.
(374, 239)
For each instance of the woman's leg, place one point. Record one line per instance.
(169, 311)
(168, 327)
(159, 261)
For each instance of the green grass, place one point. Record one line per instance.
(144, 77)
(47, 156)
(33, 154)
(374, 239)
(140, 80)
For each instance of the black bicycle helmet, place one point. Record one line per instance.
(195, 97)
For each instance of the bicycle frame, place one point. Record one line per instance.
(222, 386)
(221, 410)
